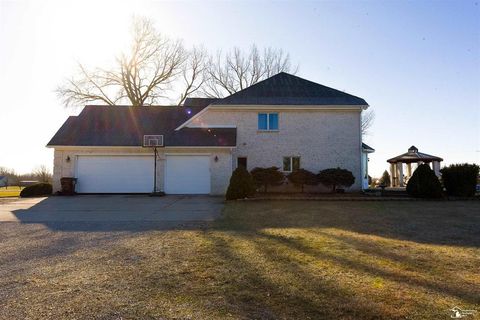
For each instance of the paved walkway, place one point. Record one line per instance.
(112, 208)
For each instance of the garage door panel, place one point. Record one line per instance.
(187, 174)
(114, 174)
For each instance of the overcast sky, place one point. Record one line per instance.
(416, 63)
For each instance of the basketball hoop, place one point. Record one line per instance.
(154, 141)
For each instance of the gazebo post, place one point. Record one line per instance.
(400, 173)
(436, 168)
(409, 170)
(392, 174)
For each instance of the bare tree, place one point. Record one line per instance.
(237, 69)
(194, 73)
(152, 65)
(368, 118)
(42, 174)
(143, 75)
(10, 174)
(155, 64)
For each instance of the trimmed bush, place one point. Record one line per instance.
(265, 177)
(335, 177)
(36, 190)
(424, 183)
(385, 179)
(241, 185)
(302, 177)
(460, 180)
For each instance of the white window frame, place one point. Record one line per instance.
(268, 121)
(291, 163)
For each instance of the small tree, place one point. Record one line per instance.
(241, 185)
(460, 179)
(42, 174)
(11, 176)
(367, 119)
(385, 179)
(424, 183)
(302, 177)
(335, 177)
(267, 176)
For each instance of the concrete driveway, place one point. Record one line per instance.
(112, 208)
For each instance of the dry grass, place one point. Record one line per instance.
(263, 260)
(11, 191)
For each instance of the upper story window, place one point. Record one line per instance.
(268, 121)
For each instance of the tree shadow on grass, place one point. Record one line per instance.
(244, 271)
(266, 286)
(443, 286)
(454, 223)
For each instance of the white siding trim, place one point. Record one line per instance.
(191, 119)
(230, 126)
(285, 107)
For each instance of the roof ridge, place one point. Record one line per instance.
(130, 106)
(287, 89)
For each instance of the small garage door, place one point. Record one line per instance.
(187, 174)
(114, 174)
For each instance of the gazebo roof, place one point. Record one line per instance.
(414, 156)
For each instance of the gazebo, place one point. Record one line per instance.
(397, 178)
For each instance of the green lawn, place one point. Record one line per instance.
(11, 191)
(263, 260)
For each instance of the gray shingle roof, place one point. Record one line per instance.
(414, 156)
(287, 89)
(125, 126)
(198, 102)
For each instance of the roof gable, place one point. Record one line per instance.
(287, 89)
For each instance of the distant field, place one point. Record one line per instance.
(11, 191)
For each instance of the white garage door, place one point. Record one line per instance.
(187, 174)
(114, 174)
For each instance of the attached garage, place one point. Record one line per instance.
(114, 174)
(104, 148)
(187, 174)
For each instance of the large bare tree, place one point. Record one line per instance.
(193, 73)
(141, 76)
(156, 65)
(236, 70)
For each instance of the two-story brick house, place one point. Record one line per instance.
(283, 121)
